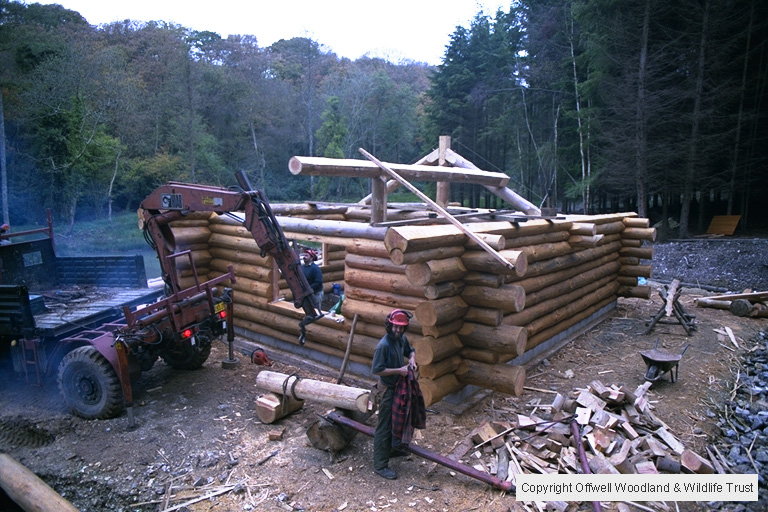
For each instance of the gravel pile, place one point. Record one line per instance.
(744, 425)
(719, 264)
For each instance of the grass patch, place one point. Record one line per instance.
(102, 237)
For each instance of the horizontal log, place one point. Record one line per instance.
(503, 378)
(583, 228)
(648, 234)
(643, 253)
(442, 290)
(636, 270)
(541, 238)
(373, 263)
(601, 219)
(704, 302)
(440, 368)
(570, 260)
(438, 331)
(398, 284)
(577, 281)
(419, 238)
(629, 260)
(239, 256)
(373, 313)
(536, 227)
(630, 242)
(638, 292)
(506, 339)
(481, 261)
(441, 311)
(485, 316)
(636, 222)
(262, 330)
(585, 241)
(319, 166)
(493, 240)
(430, 350)
(535, 283)
(250, 271)
(540, 252)
(398, 257)
(259, 291)
(334, 395)
(435, 271)
(507, 298)
(390, 299)
(529, 316)
(366, 247)
(610, 228)
(484, 356)
(561, 320)
(234, 243)
(626, 280)
(484, 279)
(325, 331)
(437, 389)
(309, 209)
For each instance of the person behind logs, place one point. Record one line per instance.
(388, 364)
(314, 276)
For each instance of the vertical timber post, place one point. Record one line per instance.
(443, 194)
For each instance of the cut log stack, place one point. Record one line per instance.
(472, 314)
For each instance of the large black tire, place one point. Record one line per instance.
(89, 384)
(184, 356)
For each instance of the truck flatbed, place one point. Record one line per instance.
(69, 311)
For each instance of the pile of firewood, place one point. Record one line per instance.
(615, 426)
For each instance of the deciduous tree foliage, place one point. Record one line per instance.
(588, 105)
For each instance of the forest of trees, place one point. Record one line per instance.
(588, 105)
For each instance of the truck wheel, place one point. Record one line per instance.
(188, 357)
(89, 384)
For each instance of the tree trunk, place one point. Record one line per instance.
(692, 163)
(334, 395)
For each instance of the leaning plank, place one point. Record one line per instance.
(753, 297)
(335, 395)
(442, 211)
(27, 490)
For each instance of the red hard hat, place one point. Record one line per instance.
(399, 317)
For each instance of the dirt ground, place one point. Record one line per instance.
(198, 435)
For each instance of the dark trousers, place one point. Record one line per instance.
(382, 437)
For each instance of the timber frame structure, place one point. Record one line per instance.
(491, 291)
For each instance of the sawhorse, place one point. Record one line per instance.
(672, 307)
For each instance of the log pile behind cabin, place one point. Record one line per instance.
(472, 315)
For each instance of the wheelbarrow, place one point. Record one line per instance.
(660, 361)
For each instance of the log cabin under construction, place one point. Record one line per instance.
(491, 290)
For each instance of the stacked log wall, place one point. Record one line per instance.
(472, 314)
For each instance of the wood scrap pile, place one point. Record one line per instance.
(751, 304)
(618, 430)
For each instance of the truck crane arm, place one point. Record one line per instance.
(175, 200)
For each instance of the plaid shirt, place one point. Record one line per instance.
(408, 409)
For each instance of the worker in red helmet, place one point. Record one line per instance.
(4, 229)
(389, 364)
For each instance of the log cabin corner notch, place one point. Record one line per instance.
(477, 321)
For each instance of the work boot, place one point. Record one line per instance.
(387, 473)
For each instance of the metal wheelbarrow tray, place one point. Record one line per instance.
(660, 361)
